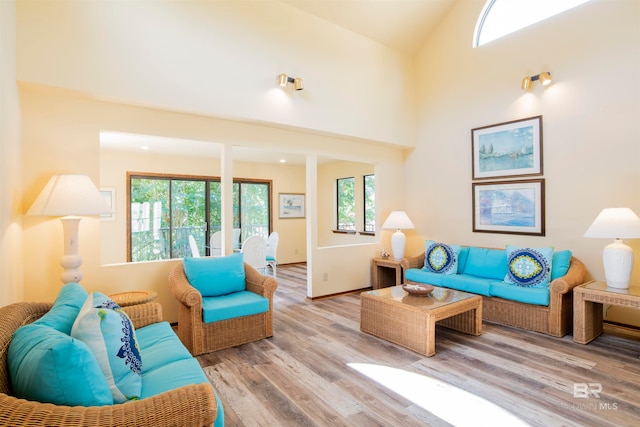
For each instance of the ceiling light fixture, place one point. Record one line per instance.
(283, 79)
(544, 78)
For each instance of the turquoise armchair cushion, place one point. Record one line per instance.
(560, 264)
(216, 276)
(47, 365)
(487, 263)
(229, 306)
(529, 267)
(441, 258)
(65, 308)
(532, 295)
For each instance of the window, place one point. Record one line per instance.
(502, 17)
(346, 204)
(369, 203)
(165, 210)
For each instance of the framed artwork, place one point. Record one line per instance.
(291, 205)
(510, 149)
(109, 196)
(511, 207)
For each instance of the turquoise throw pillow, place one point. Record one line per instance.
(216, 276)
(560, 264)
(47, 365)
(109, 334)
(65, 308)
(441, 258)
(529, 267)
(487, 263)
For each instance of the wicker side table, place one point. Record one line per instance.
(587, 307)
(124, 299)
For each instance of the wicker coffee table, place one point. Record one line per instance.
(410, 321)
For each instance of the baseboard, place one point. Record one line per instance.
(339, 294)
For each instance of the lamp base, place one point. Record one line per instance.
(71, 260)
(618, 263)
(398, 243)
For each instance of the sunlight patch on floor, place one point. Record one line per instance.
(447, 402)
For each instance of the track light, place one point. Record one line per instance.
(544, 78)
(283, 79)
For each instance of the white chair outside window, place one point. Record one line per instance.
(215, 244)
(272, 248)
(254, 251)
(195, 252)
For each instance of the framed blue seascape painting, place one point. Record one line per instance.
(511, 149)
(512, 207)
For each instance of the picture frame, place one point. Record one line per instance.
(291, 205)
(509, 207)
(109, 196)
(510, 149)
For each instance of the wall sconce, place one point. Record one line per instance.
(283, 79)
(544, 78)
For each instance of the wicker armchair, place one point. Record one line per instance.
(556, 319)
(200, 337)
(192, 405)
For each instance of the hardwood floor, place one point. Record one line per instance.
(303, 377)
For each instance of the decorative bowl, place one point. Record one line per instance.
(419, 290)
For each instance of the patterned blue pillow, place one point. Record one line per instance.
(109, 334)
(441, 258)
(529, 267)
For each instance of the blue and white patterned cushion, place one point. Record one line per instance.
(441, 258)
(109, 333)
(529, 267)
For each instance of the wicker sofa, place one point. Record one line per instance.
(190, 405)
(204, 337)
(554, 318)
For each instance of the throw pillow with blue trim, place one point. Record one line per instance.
(441, 258)
(108, 332)
(529, 267)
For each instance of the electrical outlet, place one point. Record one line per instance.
(325, 277)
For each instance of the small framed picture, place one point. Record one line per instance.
(511, 149)
(109, 196)
(511, 207)
(291, 205)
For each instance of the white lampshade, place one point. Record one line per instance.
(69, 195)
(398, 220)
(616, 223)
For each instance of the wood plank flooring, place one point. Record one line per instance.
(302, 376)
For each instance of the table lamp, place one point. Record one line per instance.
(616, 223)
(68, 196)
(398, 220)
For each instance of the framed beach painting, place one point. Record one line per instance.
(511, 207)
(291, 205)
(511, 149)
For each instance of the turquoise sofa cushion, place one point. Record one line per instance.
(441, 258)
(528, 267)
(159, 345)
(463, 255)
(164, 378)
(467, 283)
(229, 306)
(109, 334)
(560, 264)
(216, 276)
(532, 295)
(420, 275)
(47, 365)
(487, 263)
(65, 308)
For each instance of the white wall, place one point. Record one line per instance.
(220, 58)
(10, 164)
(591, 131)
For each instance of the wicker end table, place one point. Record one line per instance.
(587, 307)
(410, 321)
(124, 299)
